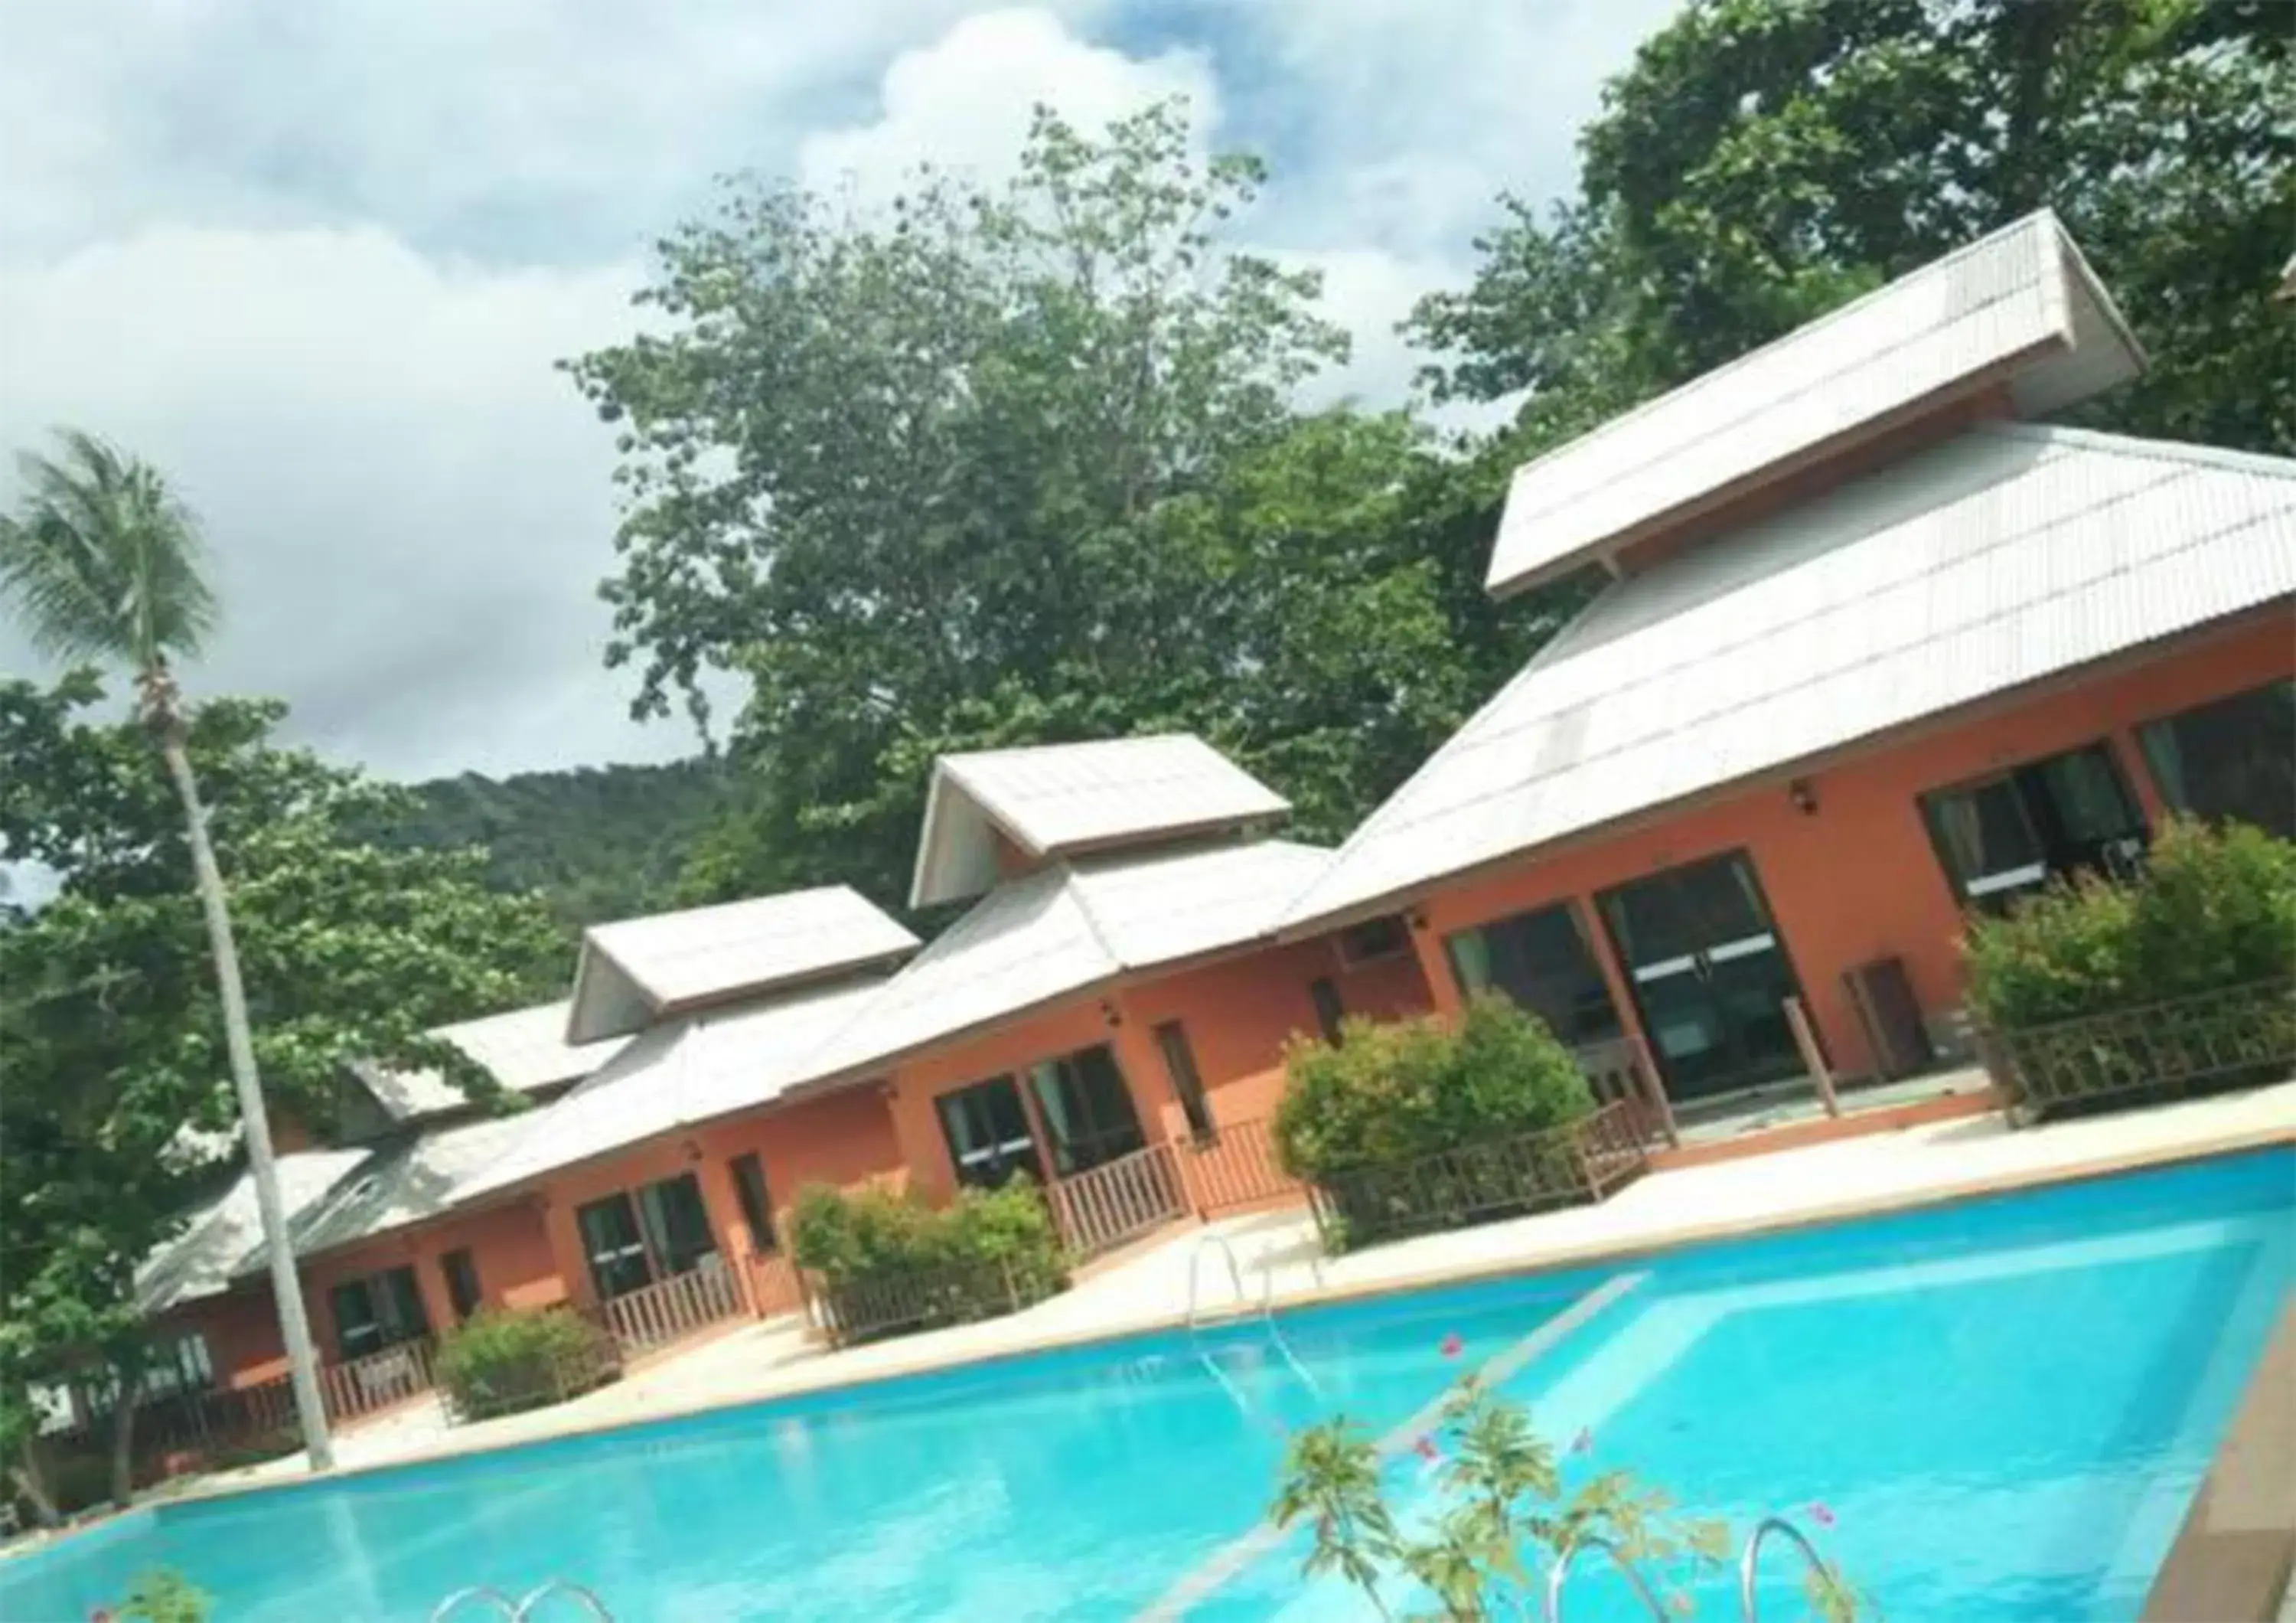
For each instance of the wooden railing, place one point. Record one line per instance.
(1098, 1210)
(672, 1309)
(1567, 1165)
(1619, 1072)
(1235, 1166)
(2228, 1038)
(377, 1381)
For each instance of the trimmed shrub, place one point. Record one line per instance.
(498, 1362)
(1396, 1089)
(2214, 909)
(886, 1256)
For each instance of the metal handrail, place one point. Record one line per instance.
(1243, 1299)
(522, 1608)
(1561, 1571)
(1750, 1561)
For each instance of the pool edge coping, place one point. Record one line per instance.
(1568, 1257)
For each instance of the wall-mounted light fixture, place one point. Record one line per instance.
(1417, 919)
(1804, 795)
(1108, 1014)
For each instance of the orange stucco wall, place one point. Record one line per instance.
(1858, 879)
(1237, 1010)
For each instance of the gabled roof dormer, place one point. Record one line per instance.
(994, 814)
(639, 971)
(2015, 325)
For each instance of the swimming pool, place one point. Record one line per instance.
(2006, 1404)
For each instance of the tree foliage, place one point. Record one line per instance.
(597, 843)
(1014, 465)
(1762, 161)
(113, 1082)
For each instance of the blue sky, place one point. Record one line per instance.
(316, 261)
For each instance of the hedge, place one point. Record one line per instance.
(498, 1362)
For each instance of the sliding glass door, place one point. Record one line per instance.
(1709, 975)
(1085, 1108)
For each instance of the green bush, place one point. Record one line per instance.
(1393, 1091)
(871, 1232)
(500, 1362)
(2213, 909)
(163, 1595)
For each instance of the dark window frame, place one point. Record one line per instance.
(2159, 749)
(2057, 852)
(394, 1312)
(1589, 1024)
(459, 1268)
(1331, 1009)
(1091, 1118)
(1390, 935)
(1187, 1083)
(1004, 1156)
(753, 1195)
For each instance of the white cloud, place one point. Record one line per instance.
(963, 102)
(410, 510)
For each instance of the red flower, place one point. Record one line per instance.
(99, 1616)
(1426, 1450)
(1452, 1346)
(1820, 1514)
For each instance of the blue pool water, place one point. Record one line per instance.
(2004, 1404)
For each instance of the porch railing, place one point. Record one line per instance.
(1619, 1072)
(2225, 1038)
(672, 1309)
(377, 1381)
(1567, 1165)
(1100, 1209)
(1235, 1166)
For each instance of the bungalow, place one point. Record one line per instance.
(1876, 649)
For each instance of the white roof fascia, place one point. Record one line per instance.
(1973, 570)
(2018, 306)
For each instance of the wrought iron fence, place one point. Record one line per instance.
(1567, 1165)
(1098, 1210)
(672, 1309)
(2235, 1036)
(871, 1306)
(1619, 1072)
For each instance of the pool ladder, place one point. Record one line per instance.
(1749, 1562)
(1220, 1242)
(522, 1608)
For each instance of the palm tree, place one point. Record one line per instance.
(103, 563)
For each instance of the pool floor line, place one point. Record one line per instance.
(1200, 1582)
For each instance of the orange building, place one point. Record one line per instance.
(1877, 650)
(1874, 654)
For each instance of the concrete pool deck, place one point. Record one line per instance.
(1148, 1290)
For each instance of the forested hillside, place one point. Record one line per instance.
(599, 843)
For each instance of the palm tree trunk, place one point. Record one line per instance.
(255, 1126)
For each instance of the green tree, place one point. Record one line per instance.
(1016, 465)
(1764, 159)
(114, 1040)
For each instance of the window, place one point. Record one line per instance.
(616, 1249)
(987, 1134)
(1329, 1011)
(1187, 1086)
(181, 1365)
(1373, 939)
(2233, 759)
(2002, 837)
(1541, 959)
(757, 1209)
(461, 1271)
(1085, 1108)
(675, 1225)
(378, 1311)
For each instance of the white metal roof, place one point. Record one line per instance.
(2019, 306)
(690, 1069)
(634, 972)
(1057, 799)
(406, 1183)
(526, 1049)
(224, 1238)
(1068, 927)
(2007, 555)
